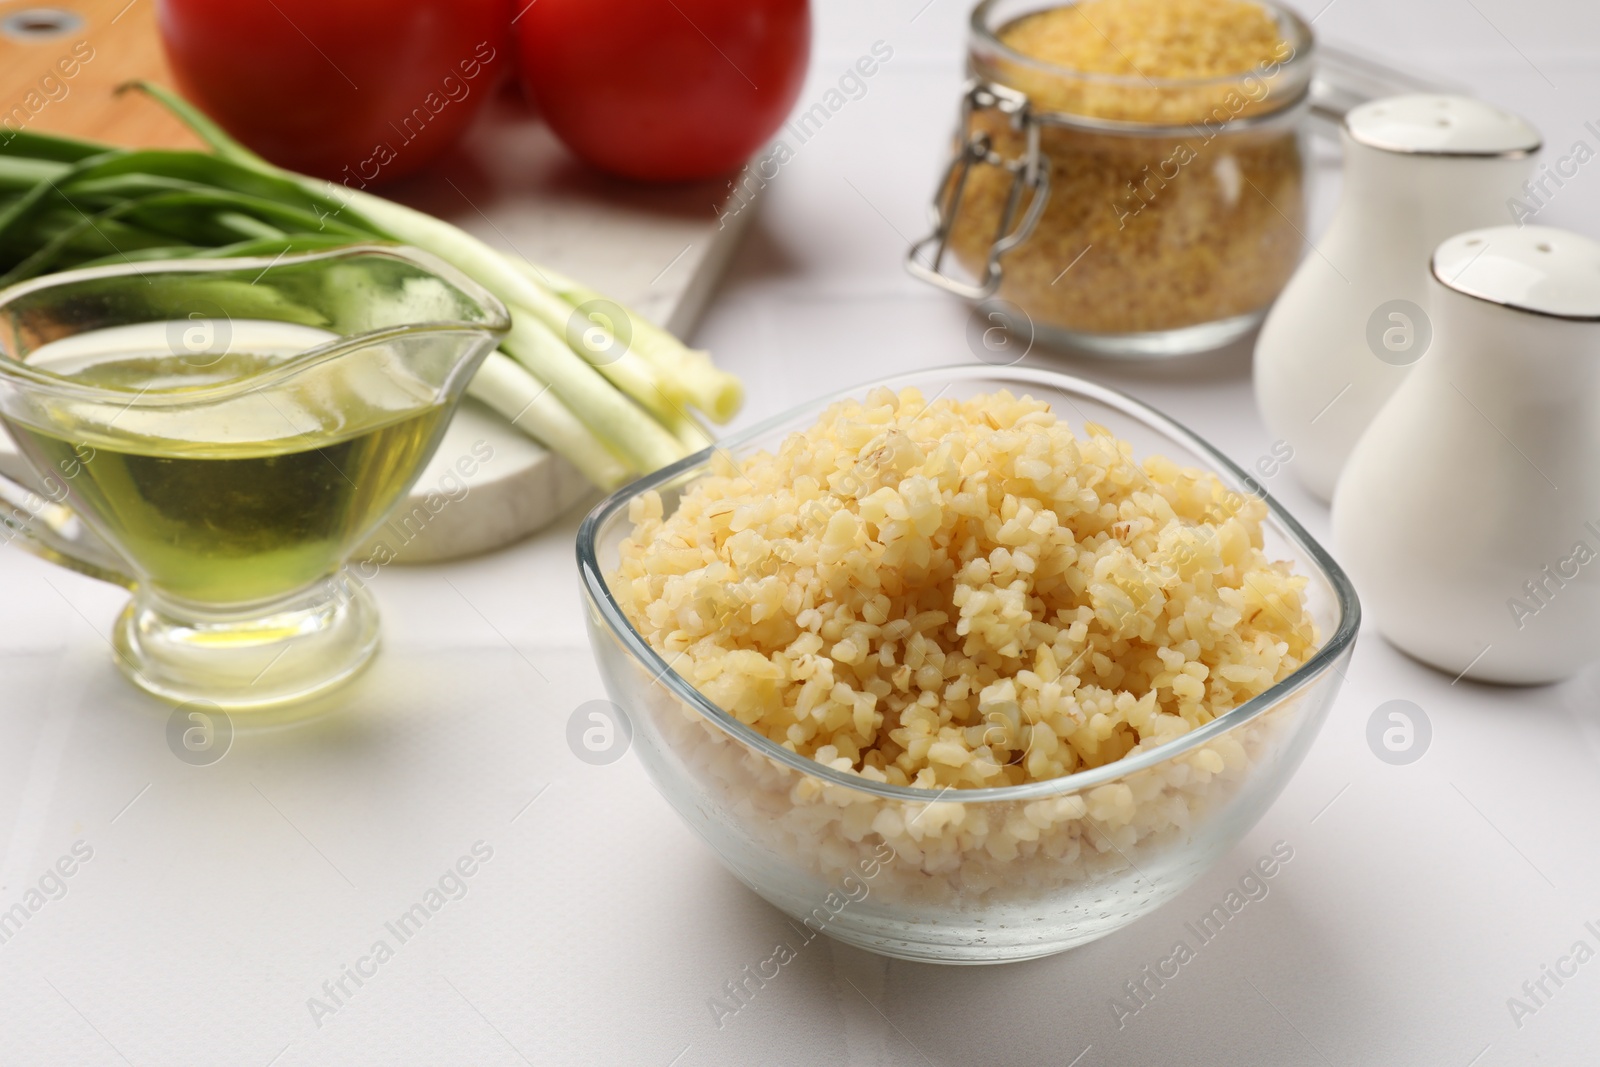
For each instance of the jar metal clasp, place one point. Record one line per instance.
(1030, 173)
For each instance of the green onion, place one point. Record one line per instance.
(687, 374)
(529, 405)
(615, 411)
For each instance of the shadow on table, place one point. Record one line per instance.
(1259, 991)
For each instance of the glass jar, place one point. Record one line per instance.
(1119, 214)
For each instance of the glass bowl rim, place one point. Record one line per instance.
(1325, 658)
(1303, 41)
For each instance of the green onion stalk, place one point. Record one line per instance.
(617, 401)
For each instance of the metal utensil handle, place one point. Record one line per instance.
(1030, 174)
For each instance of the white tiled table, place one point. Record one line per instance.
(219, 899)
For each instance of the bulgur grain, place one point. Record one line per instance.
(964, 594)
(1149, 38)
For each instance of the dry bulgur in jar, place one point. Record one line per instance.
(1172, 131)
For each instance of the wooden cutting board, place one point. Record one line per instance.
(659, 250)
(121, 42)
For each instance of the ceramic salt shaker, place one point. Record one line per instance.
(1353, 319)
(1469, 513)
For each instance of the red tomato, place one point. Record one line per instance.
(354, 90)
(664, 90)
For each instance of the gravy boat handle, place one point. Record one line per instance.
(35, 522)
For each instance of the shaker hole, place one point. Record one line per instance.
(1475, 241)
(1543, 246)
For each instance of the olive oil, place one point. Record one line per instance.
(243, 500)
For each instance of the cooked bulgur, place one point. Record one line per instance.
(963, 593)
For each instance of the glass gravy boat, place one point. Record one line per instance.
(219, 435)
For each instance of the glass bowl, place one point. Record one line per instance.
(968, 875)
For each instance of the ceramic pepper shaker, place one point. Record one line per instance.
(1353, 319)
(1469, 513)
